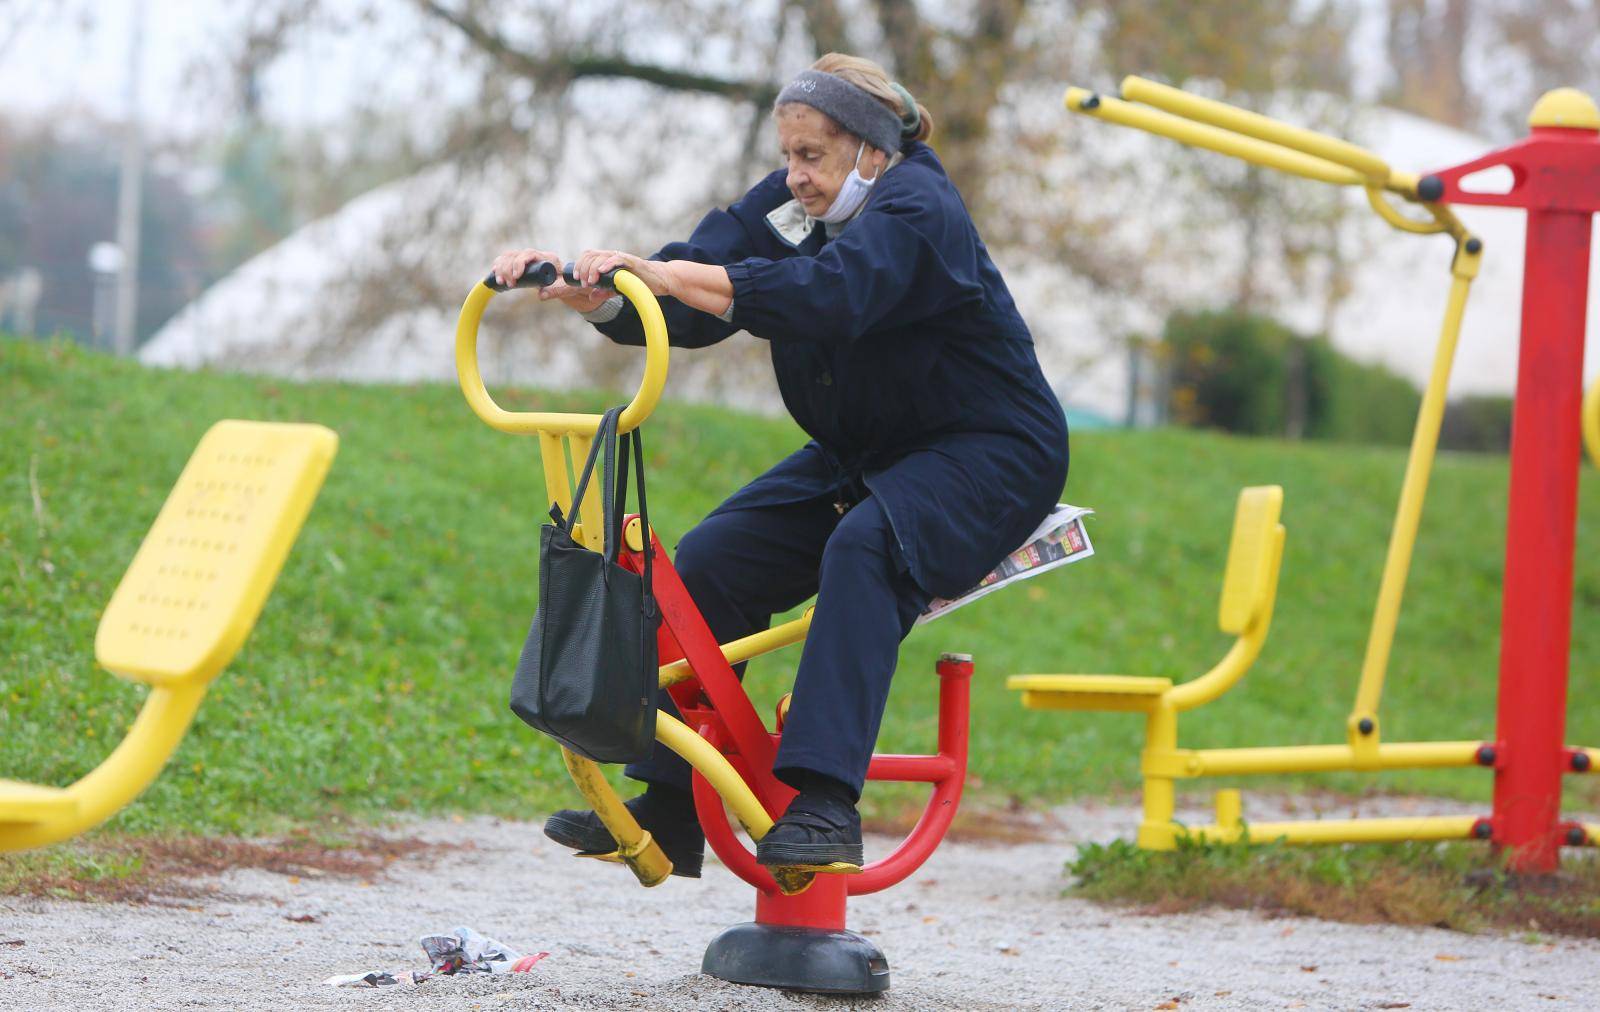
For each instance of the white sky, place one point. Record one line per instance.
(73, 55)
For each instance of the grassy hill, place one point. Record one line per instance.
(376, 679)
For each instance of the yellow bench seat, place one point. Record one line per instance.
(22, 803)
(1088, 692)
(183, 609)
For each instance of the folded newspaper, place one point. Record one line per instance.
(1059, 540)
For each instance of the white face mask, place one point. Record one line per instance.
(851, 195)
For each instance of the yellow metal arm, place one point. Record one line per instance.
(1245, 649)
(717, 770)
(1408, 514)
(550, 423)
(123, 776)
(750, 646)
(1200, 135)
(1260, 140)
(1358, 160)
(635, 848)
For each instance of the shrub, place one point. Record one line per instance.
(1250, 374)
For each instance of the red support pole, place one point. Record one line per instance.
(1556, 178)
(1536, 610)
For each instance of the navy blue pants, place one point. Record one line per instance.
(743, 566)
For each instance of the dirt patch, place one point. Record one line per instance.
(145, 869)
(981, 927)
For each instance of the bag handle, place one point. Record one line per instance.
(604, 435)
(614, 536)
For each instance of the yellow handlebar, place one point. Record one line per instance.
(1252, 124)
(552, 422)
(1229, 130)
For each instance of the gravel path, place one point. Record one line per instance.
(980, 927)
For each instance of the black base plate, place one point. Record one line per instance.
(797, 959)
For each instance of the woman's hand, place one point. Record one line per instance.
(508, 267)
(657, 276)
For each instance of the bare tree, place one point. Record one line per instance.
(550, 80)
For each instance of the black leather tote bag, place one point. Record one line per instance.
(587, 676)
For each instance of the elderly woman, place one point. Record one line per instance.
(936, 444)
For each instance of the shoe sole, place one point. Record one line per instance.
(821, 857)
(583, 839)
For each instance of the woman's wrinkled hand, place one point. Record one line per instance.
(657, 276)
(509, 266)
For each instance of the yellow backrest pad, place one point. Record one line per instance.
(199, 580)
(1246, 583)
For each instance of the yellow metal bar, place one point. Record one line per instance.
(523, 422)
(635, 848)
(1230, 809)
(1408, 514)
(1592, 831)
(1252, 124)
(1272, 156)
(553, 454)
(1156, 828)
(591, 510)
(743, 649)
(1241, 655)
(1221, 762)
(717, 770)
(1099, 702)
(1389, 214)
(1437, 827)
(124, 774)
(1591, 421)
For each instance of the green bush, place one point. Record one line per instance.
(1355, 403)
(1477, 423)
(1242, 372)
(1228, 371)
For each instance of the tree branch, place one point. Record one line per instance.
(569, 68)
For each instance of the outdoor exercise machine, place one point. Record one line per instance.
(184, 607)
(1554, 178)
(798, 939)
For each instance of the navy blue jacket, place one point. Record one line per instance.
(898, 349)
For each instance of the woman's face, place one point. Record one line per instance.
(819, 156)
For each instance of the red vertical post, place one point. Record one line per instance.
(1536, 610)
(1556, 179)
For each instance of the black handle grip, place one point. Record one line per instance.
(536, 275)
(607, 278)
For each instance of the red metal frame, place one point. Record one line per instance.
(714, 703)
(1556, 179)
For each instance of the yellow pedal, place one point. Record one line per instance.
(832, 868)
(792, 881)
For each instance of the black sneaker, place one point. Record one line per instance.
(818, 832)
(671, 823)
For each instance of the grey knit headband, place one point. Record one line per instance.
(849, 106)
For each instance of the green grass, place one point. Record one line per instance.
(1454, 885)
(376, 679)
